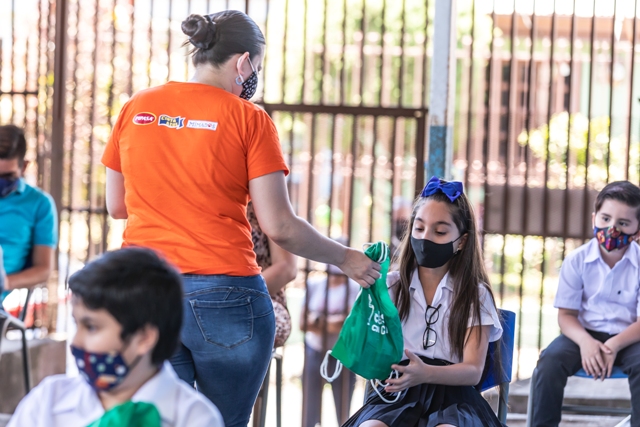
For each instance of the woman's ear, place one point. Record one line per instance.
(240, 63)
(593, 220)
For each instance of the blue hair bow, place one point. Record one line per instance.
(451, 189)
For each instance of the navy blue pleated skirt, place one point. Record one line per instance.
(427, 405)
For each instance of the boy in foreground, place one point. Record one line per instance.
(127, 308)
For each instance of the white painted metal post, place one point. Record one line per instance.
(442, 91)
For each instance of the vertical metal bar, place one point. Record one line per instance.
(92, 120)
(38, 84)
(402, 50)
(470, 105)
(334, 118)
(187, 57)
(304, 51)
(372, 177)
(507, 158)
(344, 63)
(102, 208)
(425, 65)
(421, 138)
(246, 7)
(323, 58)
(352, 177)
(611, 70)
(12, 62)
(442, 90)
(392, 157)
(50, 89)
(488, 106)
(170, 18)
(527, 157)
(72, 138)
(266, 57)
(631, 75)
(545, 194)
(284, 51)
(362, 57)
(131, 45)
(383, 32)
(585, 196)
(59, 106)
(149, 60)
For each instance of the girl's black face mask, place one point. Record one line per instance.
(430, 254)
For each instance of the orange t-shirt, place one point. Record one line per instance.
(187, 152)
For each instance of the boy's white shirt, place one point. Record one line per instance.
(413, 327)
(607, 299)
(62, 401)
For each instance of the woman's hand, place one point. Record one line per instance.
(413, 374)
(360, 268)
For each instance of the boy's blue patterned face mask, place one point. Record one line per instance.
(611, 238)
(8, 186)
(103, 371)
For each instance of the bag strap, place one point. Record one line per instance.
(376, 383)
(325, 365)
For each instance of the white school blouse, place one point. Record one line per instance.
(414, 326)
(61, 401)
(607, 299)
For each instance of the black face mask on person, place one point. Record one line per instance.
(250, 85)
(432, 255)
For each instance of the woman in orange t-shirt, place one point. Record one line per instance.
(182, 162)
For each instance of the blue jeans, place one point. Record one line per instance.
(227, 337)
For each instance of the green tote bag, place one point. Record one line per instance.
(370, 340)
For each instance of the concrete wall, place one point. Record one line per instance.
(47, 358)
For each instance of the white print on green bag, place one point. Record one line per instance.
(378, 318)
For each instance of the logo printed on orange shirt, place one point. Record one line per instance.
(202, 124)
(144, 119)
(171, 122)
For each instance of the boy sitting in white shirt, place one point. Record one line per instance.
(128, 311)
(598, 303)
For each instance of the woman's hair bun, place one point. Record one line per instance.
(201, 30)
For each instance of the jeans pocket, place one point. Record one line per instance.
(224, 323)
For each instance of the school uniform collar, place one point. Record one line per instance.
(22, 185)
(415, 285)
(160, 391)
(593, 253)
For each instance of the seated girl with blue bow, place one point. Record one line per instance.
(448, 313)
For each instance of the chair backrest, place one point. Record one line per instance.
(493, 377)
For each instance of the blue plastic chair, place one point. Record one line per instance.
(501, 379)
(616, 372)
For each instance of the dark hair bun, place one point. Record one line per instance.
(201, 30)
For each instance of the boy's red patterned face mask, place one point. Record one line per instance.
(611, 238)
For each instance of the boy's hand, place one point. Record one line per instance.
(412, 374)
(609, 359)
(592, 351)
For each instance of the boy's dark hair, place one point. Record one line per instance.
(13, 145)
(622, 191)
(138, 288)
(221, 35)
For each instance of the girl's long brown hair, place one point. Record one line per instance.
(466, 271)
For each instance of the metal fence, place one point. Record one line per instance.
(546, 115)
